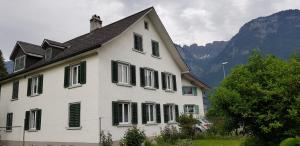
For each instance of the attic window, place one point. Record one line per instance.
(48, 53)
(146, 25)
(19, 63)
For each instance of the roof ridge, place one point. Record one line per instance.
(28, 43)
(111, 23)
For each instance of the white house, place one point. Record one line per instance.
(124, 74)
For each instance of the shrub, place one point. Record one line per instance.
(290, 142)
(133, 137)
(106, 140)
(187, 125)
(169, 134)
(184, 142)
(148, 142)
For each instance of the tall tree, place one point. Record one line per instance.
(3, 72)
(263, 97)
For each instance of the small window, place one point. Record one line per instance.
(146, 25)
(138, 43)
(74, 75)
(171, 112)
(149, 78)
(74, 115)
(19, 63)
(48, 54)
(9, 121)
(34, 86)
(151, 113)
(33, 119)
(15, 91)
(189, 90)
(189, 109)
(169, 82)
(125, 112)
(123, 73)
(155, 48)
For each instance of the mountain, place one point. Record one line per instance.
(277, 34)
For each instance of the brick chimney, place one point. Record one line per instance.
(95, 22)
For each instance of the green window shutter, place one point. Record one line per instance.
(166, 113)
(156, 82)
(38, 119)
(163, 81)
(9, 118)
(82, 73)
(142, 77)
(67, 77)
(115, 114)
(144, 113)
(134, 117)
(176, 112)
(158, 116)
(132, 75)
(15, 93)
(194, 91)
(196, 109)
(114, 71)
(26, 122)
(174, 83)
(29, 86)
(74, 115)
(40, 88)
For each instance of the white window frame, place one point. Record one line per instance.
(123, 73)
(18, 60)
(172, 114)
(35, 85)
(169, 82)
(148, 111)
(192, 94)
(123, 122)
(149, 78)
(76, 83)
(33, 119)
(188, 107)
(48, 54)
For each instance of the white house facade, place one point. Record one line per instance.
(125, 74)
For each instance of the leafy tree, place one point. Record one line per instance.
(3, 72)
(263, 97)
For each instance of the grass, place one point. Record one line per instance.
(214, 142)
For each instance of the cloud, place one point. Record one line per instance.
(190, 21)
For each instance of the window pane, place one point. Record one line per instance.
(151, 113)
(187, 90)
(126, 108)
(120, 112)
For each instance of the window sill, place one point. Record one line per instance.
(75, 86)
(34, 95)
(172, 123)
(32, 130)
(124, 84)
(158, 57)
(170, 91)
(125, 125)
(8, 131)
(149, 88)
(74, 128)
(151, 124)
(13, 99)
(142, 52)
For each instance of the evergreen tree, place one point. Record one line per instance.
(3, 72)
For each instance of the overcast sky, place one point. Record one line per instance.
(187, 21)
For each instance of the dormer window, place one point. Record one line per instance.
(48, 54)
(19, 63)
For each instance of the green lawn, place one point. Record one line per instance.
(214, 142)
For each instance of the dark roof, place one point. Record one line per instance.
(29, 49)
(87, 42)
(55, 43)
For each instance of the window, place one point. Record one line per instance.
(146, 25)
(35, 85)
(155, 48)
(15, 91)
(74, 115)
(124, 113)
(19, 63)
(149, 76)
(9, 121)
(189, 90)
(191, 109)
(33, 119)
(48, 54)
(170, 112)
(75, 75)
(123, 73)
(138, 42)
(150, 113)
(168, 81)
